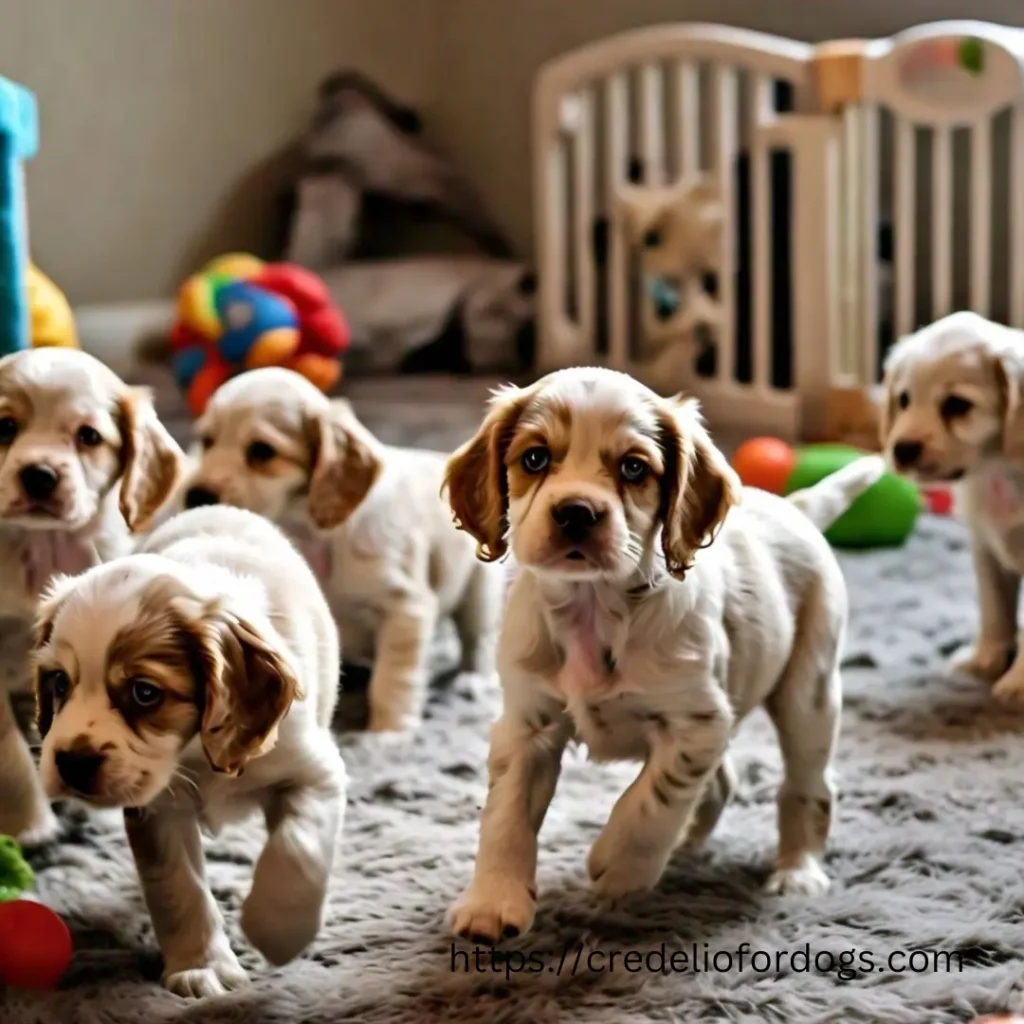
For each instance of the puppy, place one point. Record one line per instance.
(952, 412)
(84, 463)
(391, 563)
(161, 678)
(651, 612)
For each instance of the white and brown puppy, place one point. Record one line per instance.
(164, 675)
(388, 558)
(84, 463)
(953, 412)
(652, 610)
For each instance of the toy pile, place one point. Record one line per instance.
(239, 313)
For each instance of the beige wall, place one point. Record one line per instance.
(156, 116)
(492, 50)
(161, 118)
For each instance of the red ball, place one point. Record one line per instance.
(204, 383)
(35, 945)
(765, 462)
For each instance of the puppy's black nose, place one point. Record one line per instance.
(38, 482)
(78, 769)
(576, 518)
(196, 496)
(906, 453)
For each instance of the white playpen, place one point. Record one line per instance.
(869, 187)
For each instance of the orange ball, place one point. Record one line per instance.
(765, 462)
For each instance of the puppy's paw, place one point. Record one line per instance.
(280, 929)
(1009, 690)
(986, 660)
(389, 725)
(215, 979)
(805, 879)
(43, 830)
(619, 867)
(489, 911)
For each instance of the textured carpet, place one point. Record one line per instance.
(926, 854)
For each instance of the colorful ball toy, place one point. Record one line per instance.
(883, 516)
(239, 313)
(35, 944)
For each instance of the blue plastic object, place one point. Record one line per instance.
(19, 140)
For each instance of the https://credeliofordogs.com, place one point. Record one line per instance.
(579, 958)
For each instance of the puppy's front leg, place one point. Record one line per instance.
(648, 820)
(998, 592)
(284, 909)
(198, 961)
(24, 809)
(523, 767)
(398, 685)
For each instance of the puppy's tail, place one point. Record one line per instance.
(824, 502)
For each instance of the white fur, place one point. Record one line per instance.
(240, 562)
(50, 393)
(616, 653)
(392, 569)
(983, 362)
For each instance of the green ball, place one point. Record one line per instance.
(883, 516)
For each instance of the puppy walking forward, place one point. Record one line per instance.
(654, 606)
(192, 683)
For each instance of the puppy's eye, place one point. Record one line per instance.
(259, 452)
(8, 429)
(536, 459)
(88, 437)
(57, 682)
(633, 469)
(206, 441)
(145, 695)
(903, 400)
(953, 406)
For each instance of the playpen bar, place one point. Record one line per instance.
(724, 114)
(843, 358)
(762, 109)
(583, 198)
(868, 253)
(555, 242)
(652, 124)
(981, 215)
(617, 149)
(687, 75)
(942, 220)
(1017, 217)
(905, 166)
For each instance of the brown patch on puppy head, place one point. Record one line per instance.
(698, 485)
(161, 649)
(248, 689)
(152, 460)
(346, 462)
(476, 480)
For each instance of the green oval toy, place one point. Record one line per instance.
(883, 516)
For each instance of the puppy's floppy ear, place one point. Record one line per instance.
(248, 688)
(152, 461)
(46, 613)
(1010, 377)
(345, 462)
(698, 485)
(475, 477)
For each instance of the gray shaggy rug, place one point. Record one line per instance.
(926, 855)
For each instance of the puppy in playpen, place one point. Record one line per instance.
(390, 562)
(84, 465)
(192, 683)
(953, 413)
(656, 603)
